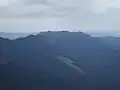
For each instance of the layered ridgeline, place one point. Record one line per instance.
(13, 35)
(56, 61)
(113, 42)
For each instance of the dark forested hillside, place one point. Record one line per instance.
(31, 63)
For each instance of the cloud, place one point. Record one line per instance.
(31, 2)
(17, 15)
(39, 7)
(27, 24)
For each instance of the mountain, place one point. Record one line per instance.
(56, 61)
(77, 45)
(113, 42)
(87, 52)
(14, 35)
(32, 57)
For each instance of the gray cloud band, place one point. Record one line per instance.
(58, 13)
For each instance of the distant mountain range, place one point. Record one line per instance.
(113, 42)
(97, 33)
(14, 35)
(33, 63)
(11, 35)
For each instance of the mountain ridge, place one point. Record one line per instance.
(34, 56)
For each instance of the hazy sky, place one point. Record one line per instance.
(36, 15)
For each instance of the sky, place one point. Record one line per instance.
(73, 15)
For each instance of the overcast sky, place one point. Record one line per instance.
(36, 15)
